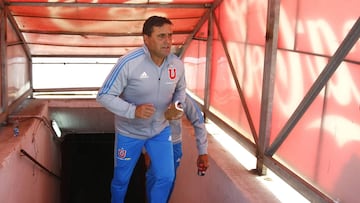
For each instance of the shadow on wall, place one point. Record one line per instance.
(348, 184)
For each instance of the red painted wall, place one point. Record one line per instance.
(21, 179)
(323, 146)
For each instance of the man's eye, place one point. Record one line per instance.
(163, 36)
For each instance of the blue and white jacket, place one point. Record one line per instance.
(135, 80)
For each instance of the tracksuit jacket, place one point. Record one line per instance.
(137, 80)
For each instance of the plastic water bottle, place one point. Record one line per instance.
(201, 172)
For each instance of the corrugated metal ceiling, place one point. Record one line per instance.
(99, 28)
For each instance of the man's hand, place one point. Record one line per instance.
(202, 164)
(144, 111)
(174, 112)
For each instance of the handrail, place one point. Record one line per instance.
(41, 118)
(39, 164)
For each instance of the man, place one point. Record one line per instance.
(194, 115)
(138, 91)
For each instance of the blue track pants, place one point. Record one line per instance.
(177, 149)
(127, 151)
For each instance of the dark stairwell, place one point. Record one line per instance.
(87, 168)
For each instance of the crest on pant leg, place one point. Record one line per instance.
(121, 153)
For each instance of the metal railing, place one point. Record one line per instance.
(39, 164)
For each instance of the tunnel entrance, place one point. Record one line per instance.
(87, 169)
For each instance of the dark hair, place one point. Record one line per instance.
(153, 21)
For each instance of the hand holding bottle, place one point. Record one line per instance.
(202, 164)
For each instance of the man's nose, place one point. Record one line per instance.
(168, 38)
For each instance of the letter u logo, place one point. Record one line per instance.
(172, 73)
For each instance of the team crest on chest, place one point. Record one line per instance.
(172, 72)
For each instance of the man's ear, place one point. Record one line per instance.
(146, 38)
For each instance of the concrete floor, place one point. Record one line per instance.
(226, 180)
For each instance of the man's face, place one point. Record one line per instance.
(159, 43)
